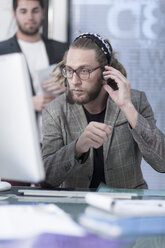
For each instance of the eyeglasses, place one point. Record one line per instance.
(82, 73)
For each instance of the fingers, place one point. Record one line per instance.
(40, 101)
(93, 136)
(99, 129)
(58, 91)
(47, 98)
(53, 88)
(108, 89)
(50, 85)
(116, 75)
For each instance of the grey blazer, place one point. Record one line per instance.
(63, 123)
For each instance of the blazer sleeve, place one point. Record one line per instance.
(58, 157)
(9, 46)
(150, 139)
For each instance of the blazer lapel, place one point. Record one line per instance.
(14, 45)
(112, 112)
(80, 121)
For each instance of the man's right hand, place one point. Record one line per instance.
(40, 101)
(94, 135)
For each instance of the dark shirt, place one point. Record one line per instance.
(98, 160)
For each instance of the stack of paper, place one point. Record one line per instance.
(114, 218)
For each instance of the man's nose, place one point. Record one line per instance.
(29, 15)
(75, 79)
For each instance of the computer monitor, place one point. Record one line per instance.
(20, 155)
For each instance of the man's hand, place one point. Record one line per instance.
(94, 135)
(40, 101)
(122, 96)
(53, 88)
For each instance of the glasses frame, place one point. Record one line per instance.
(75, 71)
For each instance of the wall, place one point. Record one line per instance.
(7, 24)
(57, 20)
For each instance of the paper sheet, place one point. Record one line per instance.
(23, 221)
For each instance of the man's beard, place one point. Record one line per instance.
(29, 32)
(89, 96)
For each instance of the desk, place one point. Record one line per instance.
(74, 207)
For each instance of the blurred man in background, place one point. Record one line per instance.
(39, 51)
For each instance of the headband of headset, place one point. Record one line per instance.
(99, 42)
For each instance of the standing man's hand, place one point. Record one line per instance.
(40, 101)
(53, 88)
(94, 135)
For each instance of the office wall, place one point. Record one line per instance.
(7, 24)
(136, 29)
(57, 20)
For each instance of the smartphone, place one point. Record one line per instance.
(112, 83)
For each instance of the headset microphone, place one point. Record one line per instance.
(65, 82)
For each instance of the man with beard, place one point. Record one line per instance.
(99, 130)
(39, 51)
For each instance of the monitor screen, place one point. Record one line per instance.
(20, 155)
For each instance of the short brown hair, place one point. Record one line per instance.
(15, 4)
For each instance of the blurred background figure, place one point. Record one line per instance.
(39, 52)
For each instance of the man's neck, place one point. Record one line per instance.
(28, 38)
(97, 106)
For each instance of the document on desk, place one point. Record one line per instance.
(122, 207)
(24, 221)
(124, 226)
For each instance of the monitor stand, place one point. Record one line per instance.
(4, 186)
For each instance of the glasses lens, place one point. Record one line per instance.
(83, 73)
(67, 73)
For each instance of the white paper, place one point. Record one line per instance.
(23, 221)
(127, 207)
(41, 76)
